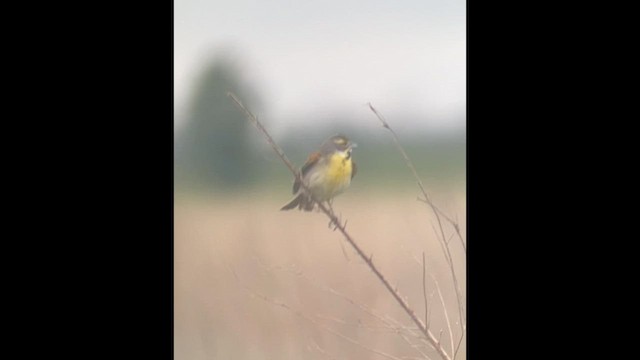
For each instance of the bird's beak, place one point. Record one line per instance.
(353, 145)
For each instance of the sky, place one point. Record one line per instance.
(309, 59)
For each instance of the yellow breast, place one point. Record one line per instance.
(339, 173)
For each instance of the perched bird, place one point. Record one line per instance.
(327, 173)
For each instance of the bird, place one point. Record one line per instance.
(327, 173)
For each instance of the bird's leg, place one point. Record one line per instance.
(338, 218)
(329, 202)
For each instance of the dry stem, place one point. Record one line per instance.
(409, 163)
(334, 219)
(310, 319)
(438, 213)
(389, 324)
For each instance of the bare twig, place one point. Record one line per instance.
(448, 257)
(390, 324)
(449, 240)
(334, 219)
(309, 319)
(424, 290)
(458, 346)
(409, 163)
(322, 351)
(429, 314)
(317, 284)
(437, 213)
(446, 313)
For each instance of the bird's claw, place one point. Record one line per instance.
(335, 222)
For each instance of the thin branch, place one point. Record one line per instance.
(361, 325)
(309, 319)
(424, 290)
(409, 163)
(436, 211)
(429, 314)
(390, 324)
(317, 284)
(447, 255)
(342, 229)
(446, 313)
(458, 346)
(270, 140)
(449, 240)
(322, 351)
(414, 346)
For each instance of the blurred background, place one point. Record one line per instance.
(252, 282)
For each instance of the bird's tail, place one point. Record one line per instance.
(301, 201)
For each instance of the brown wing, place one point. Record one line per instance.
(311, 160)
(354, 169)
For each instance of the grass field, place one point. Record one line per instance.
(252, 282)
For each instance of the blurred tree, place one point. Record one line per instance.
(215, 149)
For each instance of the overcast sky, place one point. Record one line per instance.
(304, 57)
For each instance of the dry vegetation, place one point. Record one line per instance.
(292, 258)
(252, 246)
